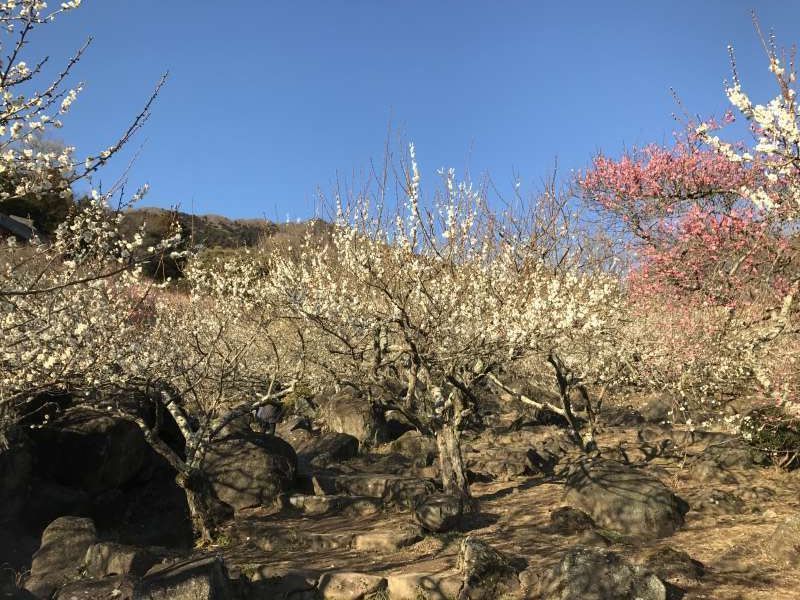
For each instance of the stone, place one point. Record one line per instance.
(709, 470)
(420, 449)
(659, 407)
(784, 543)
(388, 541)
(621, 417)
(60, 556)
(89, 449)
(192, 579)
(424, 586)
(569, 521)
(439, 513)
(250, 470)
(484, 570)
(350, 412)
(720, 502)
(349, 586)
(107, 558)
(735, 454)
(106, 588)
(625, 499)
(279, 583)
(397, 424)
(322, 505)
(328, 448)
(596, 574)
(16, 468)
(407, 492)
(674, 565)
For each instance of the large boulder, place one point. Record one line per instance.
(249, 470)
(104, 588)
(439, 512)
(784, 543)
(192, 579)
(419, 449)
(486, 573)
(625, 499)
(16, 466)
(594, 574)
(350, 412)
(350, 586)
(89, 449)
(659, 407)
(569, 521)
(60, 557)
(330, 447)
(107, 558)
(674, 566)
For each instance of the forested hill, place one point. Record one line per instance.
(215, 231)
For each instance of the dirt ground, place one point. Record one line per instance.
(513, 517)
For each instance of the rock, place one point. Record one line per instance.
(439, 513)
(709, 470)
(554, 446)
(397, 424)
(50, 500)
(719, 502)
(757, 493)
(107, 588)
(541, 461)
(388, 541)
(625, 499)
(621, 417)
(8, 586)
(293, 423)
(420, 449)
(89, 449)
(735, 454)
(659, 407)
(349, 412)
(60, 556)
(192, 579)
(569, 521)
(407, 492)
(330, 447)
(16, 467)
(276, 583)
(784, 543)
(107, 558)
(484, 570)
(594, 574)
(350, 586)
(424, 586)
(322, 505)
(251, 470)
(674, 566)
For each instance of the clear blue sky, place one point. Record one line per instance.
(267, 100)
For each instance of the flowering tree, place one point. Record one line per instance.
(77, 316)
(64, 306)
(711, 225)
(439, 300)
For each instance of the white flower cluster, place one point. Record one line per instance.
(438, 298)
(777, 149)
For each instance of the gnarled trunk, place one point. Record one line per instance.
(206, 510)
(451, 463)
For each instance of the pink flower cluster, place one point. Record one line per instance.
(655, 180)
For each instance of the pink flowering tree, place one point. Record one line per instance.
(709, 225)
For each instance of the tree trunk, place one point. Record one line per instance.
(454, 475)
(206, 510)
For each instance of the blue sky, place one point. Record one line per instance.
(269, 101)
